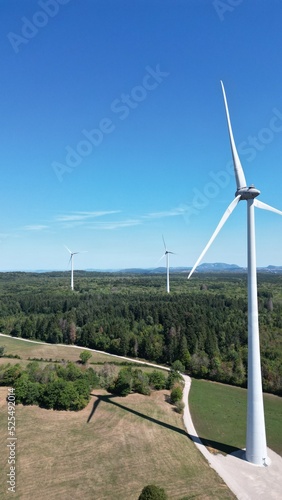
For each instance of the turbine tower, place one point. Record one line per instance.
(71, 261)
(166, 255)
(256, 449)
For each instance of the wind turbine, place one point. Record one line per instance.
(256, 449)
(71, 261)
(166, 255)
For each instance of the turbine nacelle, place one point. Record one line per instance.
(247, 193)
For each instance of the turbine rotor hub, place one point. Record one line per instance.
(248, 193)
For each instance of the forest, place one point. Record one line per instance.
(202, 323)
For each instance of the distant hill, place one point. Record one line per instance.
(219, 267)
(216, 267)
(213, 267)
(272, 269)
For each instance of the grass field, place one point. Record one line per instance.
(48, 351)
(29, 350)
(115, 446)
(108, 451)
(219, 415)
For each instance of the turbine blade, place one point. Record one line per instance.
(164, 242)
(223, 219)
(67, 249)
(264, 206)
(238, 169)
(160, 259)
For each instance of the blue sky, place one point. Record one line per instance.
(113, 130)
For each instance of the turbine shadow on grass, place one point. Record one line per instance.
(209, 443)
(215, 446)
(109, 399)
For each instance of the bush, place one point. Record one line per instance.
(11, 356)
(172, 379)
(178, 366)
(141, 382)
(107, 374)
(123, 383)
(62, 395)
(152, 492)
(176, 394)
(157, 380)
(27, 392)
(85, 356)
(11, 374)
(92, 377)
(130, 380)
(179, 406)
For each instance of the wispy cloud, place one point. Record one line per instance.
(82, 216)
(88, 219)
(173, 212)
(115, 224)
(34, 227)
(4, 236)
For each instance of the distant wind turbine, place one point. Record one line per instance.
(166, 255)
(71, 261)
(256, 449)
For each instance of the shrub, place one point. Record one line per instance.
(11, 374)
(176, 394)
(92, 377)
(123, 384)
(27, 392)
(172, 379)
(178, 366)
(179, 406)
(107, 374)
(141, 382)
(129, 380)
(152, 492)
(157, 380)
(85, 356)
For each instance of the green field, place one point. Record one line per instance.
(219, 415)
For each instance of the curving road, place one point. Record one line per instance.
(245, 480)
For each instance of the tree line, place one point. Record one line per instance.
(206, 328)
(66, 386)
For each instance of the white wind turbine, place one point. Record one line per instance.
(166, 255)
(71, 261)
(256, 449)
